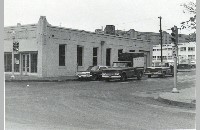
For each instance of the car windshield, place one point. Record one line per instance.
(94, 68)
(120, 64)
(89, 68)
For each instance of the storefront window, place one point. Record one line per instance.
(8, 62)
(33, 63)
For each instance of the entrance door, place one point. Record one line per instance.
(25, 64)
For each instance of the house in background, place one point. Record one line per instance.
(51, 51)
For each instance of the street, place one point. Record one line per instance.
(96, 104)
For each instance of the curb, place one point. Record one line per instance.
(177, 103)
(57, 80)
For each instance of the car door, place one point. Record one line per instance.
(100, 70)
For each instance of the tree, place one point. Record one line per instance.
(190, 8)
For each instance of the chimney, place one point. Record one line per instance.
(132, 33)
(18, 24)
(109, 29)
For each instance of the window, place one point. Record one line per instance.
(34, 63)
(16, 62)
(191, 48)
(183, 49)
(8, 62)
(191, 57)
(79, 55)
(164, 57)
(61, 55)
(169, 57)
(101, 68)
(131, 50)
(108, 52)
(120, 51)
(95, 56)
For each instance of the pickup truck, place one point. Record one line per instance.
(160, 70)
(122, 70)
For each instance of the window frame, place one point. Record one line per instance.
(62, 56)
(80, 56)
(95, 56)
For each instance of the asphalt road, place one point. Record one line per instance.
(96, 105)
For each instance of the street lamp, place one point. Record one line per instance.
(13, 37)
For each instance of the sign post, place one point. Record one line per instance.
(174, 35)
(13, 37)
(174, 53)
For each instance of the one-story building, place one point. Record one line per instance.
(52, 51)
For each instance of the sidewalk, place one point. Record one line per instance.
(185, 97)
(39, 79)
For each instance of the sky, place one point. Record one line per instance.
(88, 15)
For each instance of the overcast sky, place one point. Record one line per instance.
(141, 15)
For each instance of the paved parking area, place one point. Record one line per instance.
(95, 105)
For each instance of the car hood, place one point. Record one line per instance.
(82, 72)
(157, 67)
(115, 68)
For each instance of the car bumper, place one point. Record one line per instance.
(111, 77)
(84, 76)
(156, 73)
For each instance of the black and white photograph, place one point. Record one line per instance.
(100, 64)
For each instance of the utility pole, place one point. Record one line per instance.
(161, 38)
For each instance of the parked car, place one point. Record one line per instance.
(92, 73)
(160, 70)
(84, 74)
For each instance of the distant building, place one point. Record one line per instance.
(153, 37)
(186, 53)
(51, 51)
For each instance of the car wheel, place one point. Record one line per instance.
(139, 75)
(94, 77)
(107, 80)
(80, 79)
(124, 77)
(149, 76)
(163, 75)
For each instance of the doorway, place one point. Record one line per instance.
(25, 64)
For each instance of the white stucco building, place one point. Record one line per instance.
(51, 51)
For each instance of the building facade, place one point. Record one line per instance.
(51, 51)
(186, 53)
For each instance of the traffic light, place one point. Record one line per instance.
(174, 35)
(15, 46)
